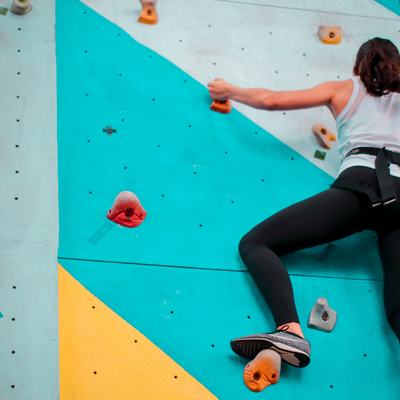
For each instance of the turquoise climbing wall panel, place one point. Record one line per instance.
(393, 5)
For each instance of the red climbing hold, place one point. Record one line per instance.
(127, 210)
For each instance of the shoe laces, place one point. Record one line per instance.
(283, 328)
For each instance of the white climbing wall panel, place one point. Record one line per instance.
(211, 38)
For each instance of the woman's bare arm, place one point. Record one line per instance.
(317, 96)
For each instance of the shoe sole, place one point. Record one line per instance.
(250, 347)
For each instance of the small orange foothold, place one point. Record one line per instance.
(323, 135)
(148, 15)
(222, 106)
(330, 34)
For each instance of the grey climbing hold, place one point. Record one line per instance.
(322, 317)
(21, 7)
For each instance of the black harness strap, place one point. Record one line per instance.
(383, 160)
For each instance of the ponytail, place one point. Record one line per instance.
(378, 65)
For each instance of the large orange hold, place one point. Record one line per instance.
(127, 210)
(148, 15)
(222, 106)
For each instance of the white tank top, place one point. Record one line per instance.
(368, 121)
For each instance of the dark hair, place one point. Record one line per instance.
(378, 65)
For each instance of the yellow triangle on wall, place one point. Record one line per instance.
(102, 357)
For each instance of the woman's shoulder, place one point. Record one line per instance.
(343, 91)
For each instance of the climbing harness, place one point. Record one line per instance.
(385, 193)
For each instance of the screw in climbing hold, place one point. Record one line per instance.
(127, 210)
(323, 135)
(330, 34)
(322, 317)
(148, 14)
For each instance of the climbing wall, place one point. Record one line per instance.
(29, 216)
(148, 313)
(391, 5)
(280, 51)
(133, 115)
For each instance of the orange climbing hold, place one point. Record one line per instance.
(330, 34)
(263, 371)
(323, 135)
(148, 15)
(222, 106)
(127, 210)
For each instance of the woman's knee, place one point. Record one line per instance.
(248, 244)
(244, 244)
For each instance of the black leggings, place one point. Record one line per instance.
(323, 218)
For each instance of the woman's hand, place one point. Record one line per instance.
(219, 89)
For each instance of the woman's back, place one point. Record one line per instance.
(368, 121)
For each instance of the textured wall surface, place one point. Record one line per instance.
(148, 313)
(205, 179)
(29, 210)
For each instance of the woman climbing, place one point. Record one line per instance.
(365, 194)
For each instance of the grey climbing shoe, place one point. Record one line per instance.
(292, 348)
